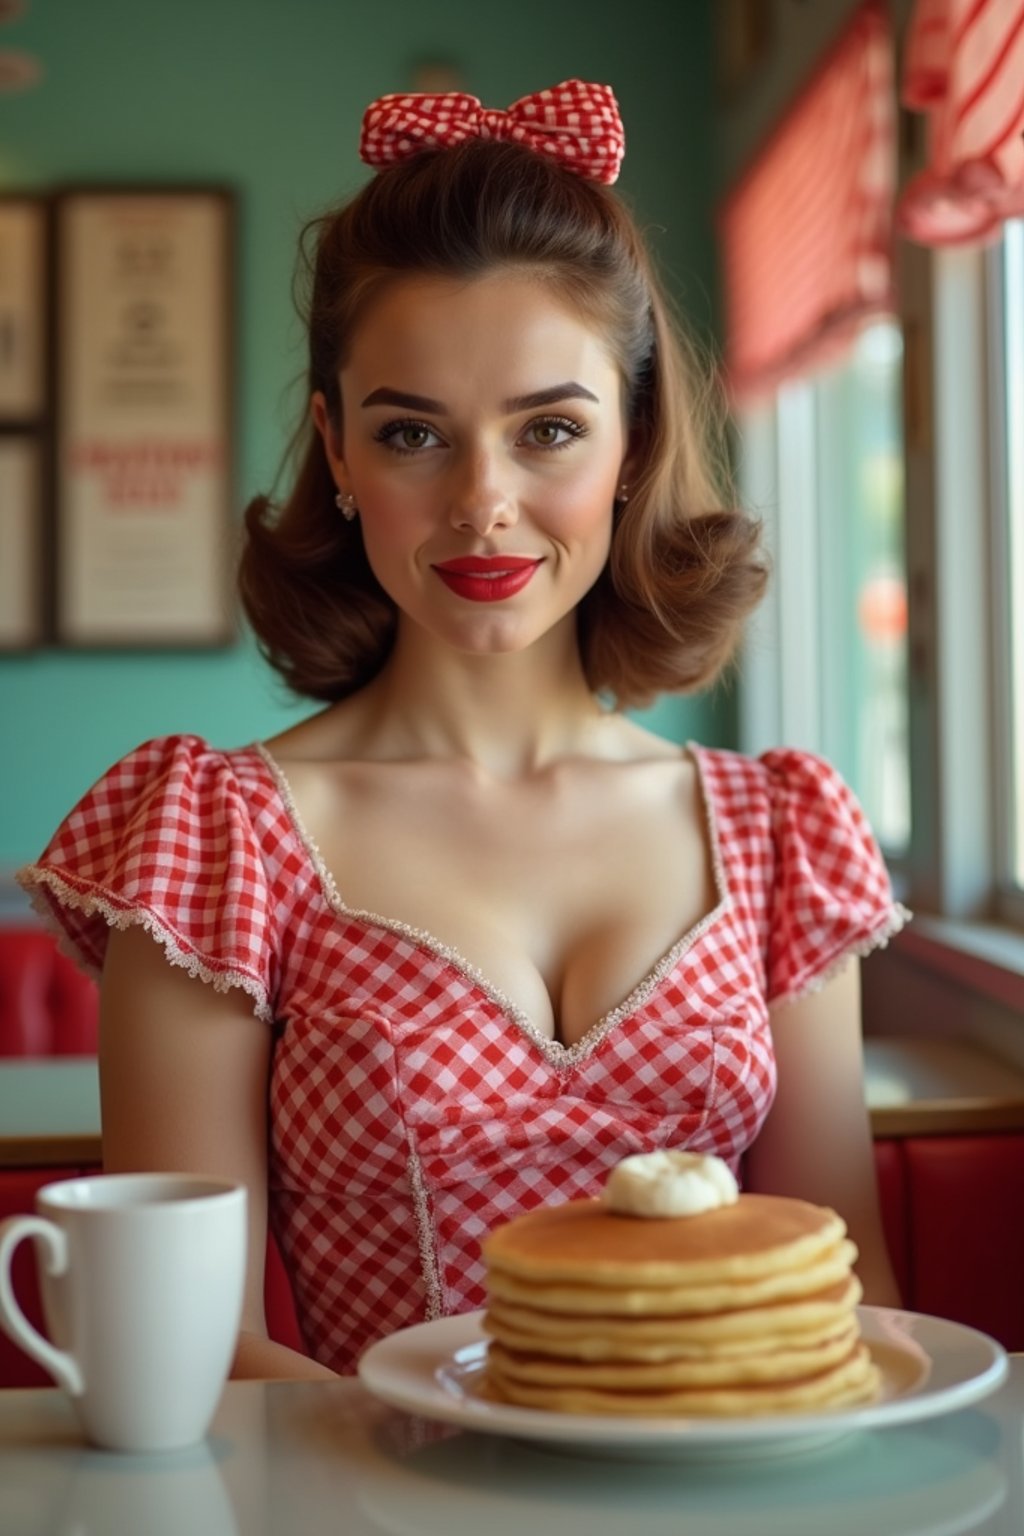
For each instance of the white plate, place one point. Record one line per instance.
(929, 1366)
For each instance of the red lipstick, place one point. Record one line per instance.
(487, 578)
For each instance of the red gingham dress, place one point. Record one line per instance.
(412, 1106)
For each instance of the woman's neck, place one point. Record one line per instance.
(507, 714)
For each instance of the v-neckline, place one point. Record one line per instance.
(557, 1053)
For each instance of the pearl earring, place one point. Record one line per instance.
(623, 495)
(346, 505)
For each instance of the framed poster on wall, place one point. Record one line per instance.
(144, 416)
(24, 330)
(23, 305)
(23, 539)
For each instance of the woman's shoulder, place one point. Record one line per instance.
(773, 761)
(184, 839)
(799, 850)
(187, 770)
(185, 752)
(798, 798)
(769, 777)
(345, 731)
(794, 800)
(171, 800)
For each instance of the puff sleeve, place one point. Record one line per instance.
(831, 896)
(166, 840)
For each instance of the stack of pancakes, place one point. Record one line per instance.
(747, 1309)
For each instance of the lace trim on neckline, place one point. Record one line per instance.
(557, 1054)
(122, 918)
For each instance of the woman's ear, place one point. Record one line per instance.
(630, 466)
(330, 438)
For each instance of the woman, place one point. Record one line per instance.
(470, 934)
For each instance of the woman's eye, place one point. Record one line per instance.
(414, 437)
(406, 436)
(554, 432)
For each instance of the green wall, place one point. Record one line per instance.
(266, 96)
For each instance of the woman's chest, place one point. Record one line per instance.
(404, 1050)
(563, 893)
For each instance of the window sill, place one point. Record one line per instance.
(927, 1087)
(985, 957)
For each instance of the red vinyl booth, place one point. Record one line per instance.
(47, 1006)
(17, 1194)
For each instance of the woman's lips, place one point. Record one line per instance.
(487, 578)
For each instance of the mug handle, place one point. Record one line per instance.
(62, 1366)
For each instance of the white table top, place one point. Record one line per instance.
(50, 1109)
(294, 1459)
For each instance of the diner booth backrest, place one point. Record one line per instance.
(17, 1195)
(47, 1006)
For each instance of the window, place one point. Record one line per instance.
(892, 636)
(826, 665)
(863, 588)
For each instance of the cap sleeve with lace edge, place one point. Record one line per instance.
(831, 897)
(164, 840)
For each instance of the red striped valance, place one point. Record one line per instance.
(806, 234)
(965, 68)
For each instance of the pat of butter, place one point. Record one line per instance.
(670, 1184)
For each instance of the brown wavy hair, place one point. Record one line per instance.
(684, 568)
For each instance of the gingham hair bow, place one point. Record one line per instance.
(576, 123)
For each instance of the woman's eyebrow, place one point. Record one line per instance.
(550, 396)
(569, 391)
(407, 402)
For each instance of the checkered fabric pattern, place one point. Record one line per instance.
(575, 123)
(410, 1112)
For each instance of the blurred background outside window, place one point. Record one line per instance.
(823, 463)
(863, 637)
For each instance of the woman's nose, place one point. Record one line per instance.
(481, 497)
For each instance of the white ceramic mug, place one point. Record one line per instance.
(142, 1277)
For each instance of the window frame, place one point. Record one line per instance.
(783, 692)
(949, 563)
(957, 865)
(1008, 894)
